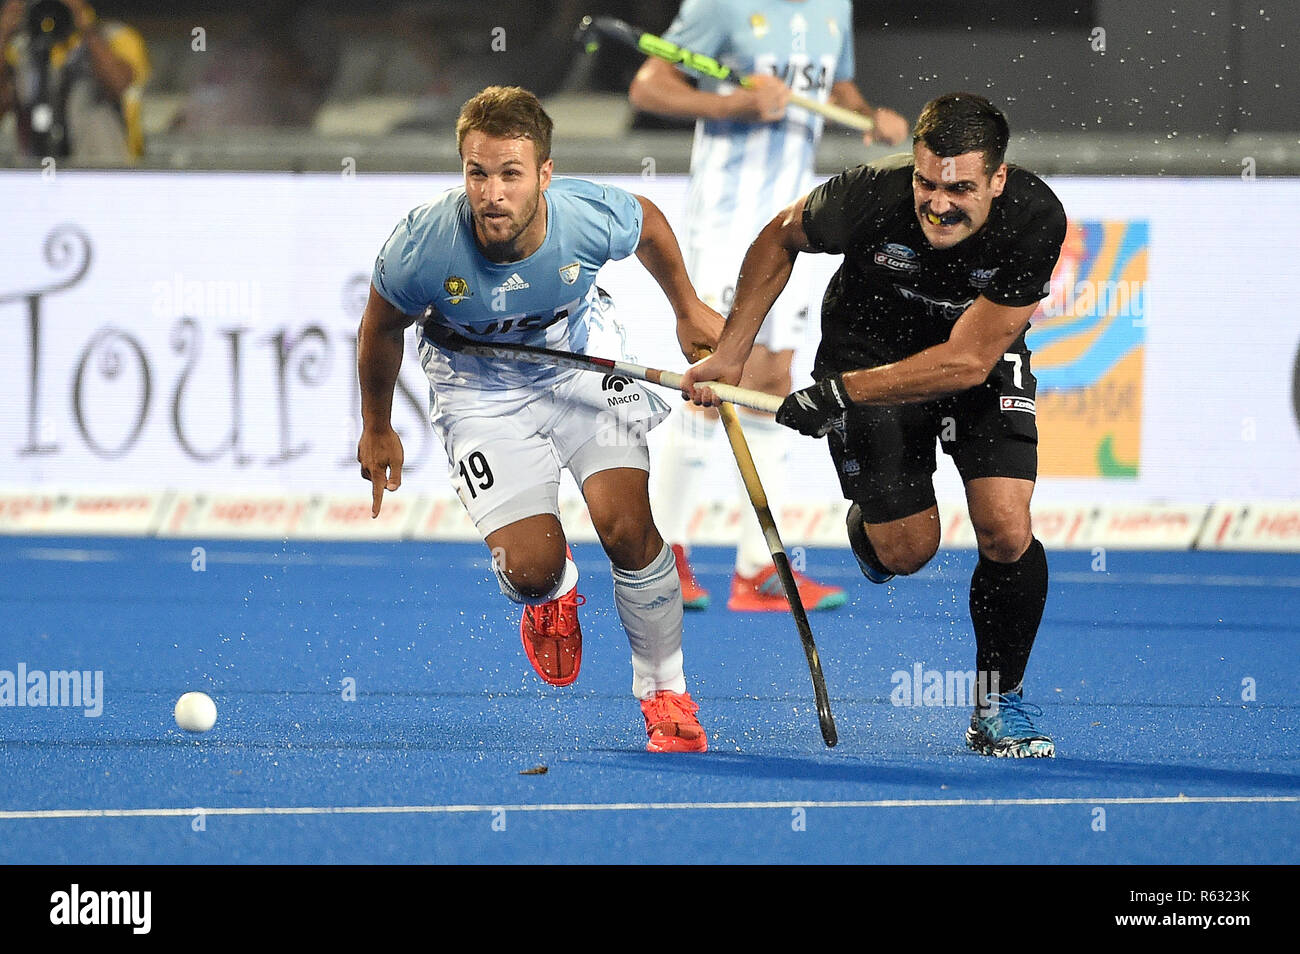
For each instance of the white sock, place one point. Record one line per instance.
(678, 470)
(568, 580)
(769, 446)
(649, 603)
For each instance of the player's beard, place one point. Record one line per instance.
(504, 248)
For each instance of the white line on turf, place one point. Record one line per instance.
(69, 555)
(297, 559)
(183, 555)
(67, 813)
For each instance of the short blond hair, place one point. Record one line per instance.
(507, 112)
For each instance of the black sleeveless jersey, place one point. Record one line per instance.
(894, 294)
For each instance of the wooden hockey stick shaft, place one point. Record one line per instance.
(758, 499)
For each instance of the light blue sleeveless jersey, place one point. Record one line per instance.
(432, 262)
(744, 173)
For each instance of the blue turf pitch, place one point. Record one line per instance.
(1143, 671)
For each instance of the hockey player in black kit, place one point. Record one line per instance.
(947, 251)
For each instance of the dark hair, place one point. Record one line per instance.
(958, 123)
(507, 112)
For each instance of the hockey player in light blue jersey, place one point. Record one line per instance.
(751, 158)
(513, 256)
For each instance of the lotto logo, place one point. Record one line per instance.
(896, 262)
(615, 382)
(1018, 404)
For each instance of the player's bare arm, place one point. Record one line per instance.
(379, 359)
(891, 128)
(660, 89)
(763, 276)
(698, 325)
(979, 339)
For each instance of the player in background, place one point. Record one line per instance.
(947, 252)
(752, 156)
(513, 256)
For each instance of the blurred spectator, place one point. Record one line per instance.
(276, 74)
(532, 47)
(436, 68)
(73, 80)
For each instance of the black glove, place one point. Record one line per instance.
(814, 411)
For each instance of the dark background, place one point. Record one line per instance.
(1181, 66)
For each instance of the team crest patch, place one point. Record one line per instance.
(1018, 404)
(758, 23)
(457, 289)
(834, 27)
(569, 273)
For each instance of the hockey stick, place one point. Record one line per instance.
(757, 497)
(756, 400)
(510, 351)
(591, 29)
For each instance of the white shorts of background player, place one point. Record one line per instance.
(714, 269)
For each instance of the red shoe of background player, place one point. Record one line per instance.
(553, 639)
(694, 596)
(671, 724)
(763, 594)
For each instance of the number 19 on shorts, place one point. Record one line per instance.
(476, 473)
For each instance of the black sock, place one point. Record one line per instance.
(1006, 606)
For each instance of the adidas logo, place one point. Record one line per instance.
(513, 283)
